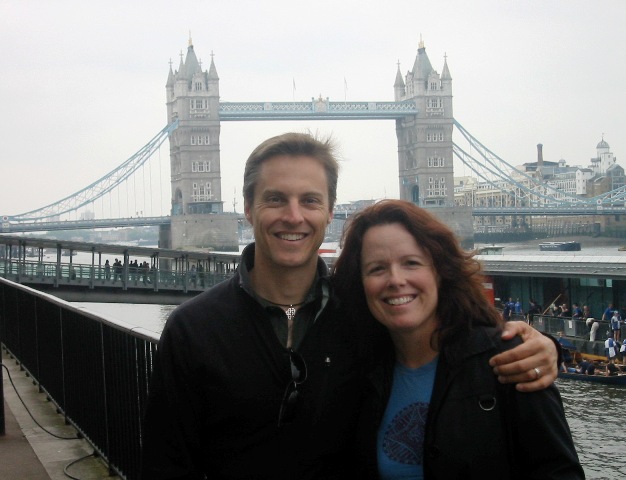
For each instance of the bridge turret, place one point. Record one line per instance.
(214, 80)
(398, 87)
(169, 95)
(422, 69)
(445, 73)
(170, 78)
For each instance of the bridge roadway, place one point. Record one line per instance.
(168, 276)
(41, 226)
(45, 226)
(550, 210)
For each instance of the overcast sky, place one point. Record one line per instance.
(82, 83)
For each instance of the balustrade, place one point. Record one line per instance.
(96, 371)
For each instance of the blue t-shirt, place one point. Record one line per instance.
(400, 442)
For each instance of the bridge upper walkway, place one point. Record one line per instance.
(316, 109)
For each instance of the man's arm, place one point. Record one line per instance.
(520, 364)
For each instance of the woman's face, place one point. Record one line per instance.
(400, 284)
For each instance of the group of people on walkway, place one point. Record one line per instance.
(136, 271)
(611, 317)
(395, 366)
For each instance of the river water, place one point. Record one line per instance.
(594, 412)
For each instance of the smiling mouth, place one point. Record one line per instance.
(291, 237)
(400, 300)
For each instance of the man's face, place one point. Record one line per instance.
(289, 213)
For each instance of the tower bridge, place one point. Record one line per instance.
(423, 113)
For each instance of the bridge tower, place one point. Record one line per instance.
(198, 221)
(425, 155)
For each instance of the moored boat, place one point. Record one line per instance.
(559, 246)
(619, 380)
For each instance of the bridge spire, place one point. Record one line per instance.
(170, 77)
(398, 86)
(422, 67)
(212, 70)
(445, 74)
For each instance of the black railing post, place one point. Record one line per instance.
(2, 423)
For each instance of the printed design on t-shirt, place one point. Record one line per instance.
(404, 438)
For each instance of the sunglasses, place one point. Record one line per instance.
(290, 397)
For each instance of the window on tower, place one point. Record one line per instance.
(199, 167)
(201, 192)
(435, 103)
(434, 137)
(436, 187)
(434, 107)
(435, 162)
(199, 103)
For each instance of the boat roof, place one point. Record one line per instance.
(565, 264)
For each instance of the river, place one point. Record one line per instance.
(594, 412)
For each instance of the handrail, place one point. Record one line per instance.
(94, 368)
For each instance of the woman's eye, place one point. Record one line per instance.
(414, 263)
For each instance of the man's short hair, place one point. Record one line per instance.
(292, 144)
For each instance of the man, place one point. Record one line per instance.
(608, 313)
(609, 347)
(533, 309)
(258, 377)
(616, 320)
(507, 311)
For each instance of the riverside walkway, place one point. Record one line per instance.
(78, 271)
(27, 451)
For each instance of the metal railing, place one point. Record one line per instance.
(93, 276)
(579, 332)
(95, 370)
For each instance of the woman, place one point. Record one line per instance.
(433, 406)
